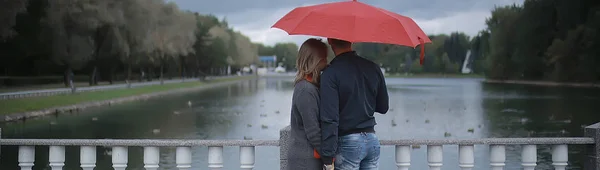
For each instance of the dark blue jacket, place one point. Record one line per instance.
(352, 90)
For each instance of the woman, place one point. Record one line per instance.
(305, 135)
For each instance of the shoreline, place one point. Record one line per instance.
(12, 117)
(542, 83)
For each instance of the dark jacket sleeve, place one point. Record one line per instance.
(307, 104)
(329, 111)
(382, 99)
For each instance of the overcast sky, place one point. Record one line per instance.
(254, 18)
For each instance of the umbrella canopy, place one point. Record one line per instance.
(355, 22)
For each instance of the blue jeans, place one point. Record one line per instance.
(359, 151)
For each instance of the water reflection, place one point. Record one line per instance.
(533, 111)
(258, 109)
(432, 109)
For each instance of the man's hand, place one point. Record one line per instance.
(328, 167)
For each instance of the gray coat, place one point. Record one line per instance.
(305, 132)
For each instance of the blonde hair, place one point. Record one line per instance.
(308, 60)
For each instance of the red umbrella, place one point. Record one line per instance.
(355, 22)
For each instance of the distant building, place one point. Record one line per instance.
(268, 61)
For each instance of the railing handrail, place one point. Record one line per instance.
(192, 142)
(137, 142)
(493, 141)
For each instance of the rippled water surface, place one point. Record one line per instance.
(258, 109)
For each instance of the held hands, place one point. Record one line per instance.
(325, 167)
(328, 167)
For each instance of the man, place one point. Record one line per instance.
(352, 89)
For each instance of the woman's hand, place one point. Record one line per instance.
(328, 167)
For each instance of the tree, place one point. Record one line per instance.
(543, 40)
(8, 16)
(534, 33)
(216, 54)
(264, 50)
(286, 53)
(479, 51)
(502, 28)
(108, 39)
(70, 24)
(172, 33)
(456, 46)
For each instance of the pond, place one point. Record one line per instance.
(421, 108)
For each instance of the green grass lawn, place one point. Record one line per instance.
(37, 103)
(53, 86)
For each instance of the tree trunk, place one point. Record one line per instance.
(93, 77)
(69, 78)
(197, 73)
(183, 72)
(182, 66)
(142, 74)
(66, 77)
(111, 74)
(161, 73)
(99, 38)
(149, 77)
(128, 76)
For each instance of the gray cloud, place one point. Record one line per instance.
(254, 17)
(426, 9)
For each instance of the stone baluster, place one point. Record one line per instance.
(215, 157)
(466, 159)
(0, 145)
(119, 157)
(26, 157)
(403, 157)
(592, 152)
(497, 157)
(435, 156)
(183, 158)
(529, 157)
(560, 157)
(151, 158)
(57, 157)
(247, 157)
(284, 147)
(87, 157)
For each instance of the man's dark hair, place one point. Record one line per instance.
(337, 43)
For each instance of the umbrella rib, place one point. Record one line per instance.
(380, 10)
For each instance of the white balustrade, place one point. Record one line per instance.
(435, 156)
(215, 157)
(183, 158)
(87, 156)
(57, 157)
(26, 157)
(529, 156)
(119, 157)
(560, 157)
(403, 157)
(151, 158)
(497, 157)
(247, 157)
(466, 157)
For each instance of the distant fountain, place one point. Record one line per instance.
(465, 69)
